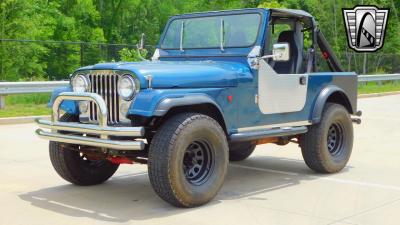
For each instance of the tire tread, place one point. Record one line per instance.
(160, 156)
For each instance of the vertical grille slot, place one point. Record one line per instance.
(105, 85)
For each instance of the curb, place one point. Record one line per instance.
(379, 94)
(31, 119)
(20, 120)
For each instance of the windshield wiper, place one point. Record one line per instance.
(181, 40)
(222, 35)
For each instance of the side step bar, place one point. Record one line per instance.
(260, 134)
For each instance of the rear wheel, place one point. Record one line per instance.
(188, 159)
(327, 146)
(240, 151)
(74, 166)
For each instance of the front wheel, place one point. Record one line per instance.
(188, 160)
(74, 166)
(327, 146)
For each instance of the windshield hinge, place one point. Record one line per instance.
(222, 35)
(182, 33)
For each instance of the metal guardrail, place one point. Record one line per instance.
(9, 88)
(377, 78)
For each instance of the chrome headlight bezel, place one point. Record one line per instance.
(128, 92)
(84, 83)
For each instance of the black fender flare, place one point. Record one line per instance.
(192, 99)
(323, 96)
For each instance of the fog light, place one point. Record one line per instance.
(124, 107)
(83, 106)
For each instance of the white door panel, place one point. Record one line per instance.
(280, 93)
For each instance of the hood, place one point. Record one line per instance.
(181, 74)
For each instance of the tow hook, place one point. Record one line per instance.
(357, 119)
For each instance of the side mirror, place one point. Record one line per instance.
(281, 52)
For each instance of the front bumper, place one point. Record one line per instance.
(96, 135)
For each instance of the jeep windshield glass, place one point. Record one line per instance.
(212, 32)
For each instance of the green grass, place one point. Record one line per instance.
(36, 104)
(26, 99)
(26, 105)
(24, 110)
(375, 88)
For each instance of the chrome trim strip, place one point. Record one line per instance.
(281, 125)
(91, 128)
(90, 141)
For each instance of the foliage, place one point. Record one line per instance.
(88, 24)
(375, 88)
(132, 55)
(25, 110)
(26, 105)
(35, 99)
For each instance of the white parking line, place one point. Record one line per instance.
(264, 170)
(359, 183)
(330, 179)
(129, 175)
(264, 190)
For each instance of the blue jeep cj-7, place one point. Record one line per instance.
(219, 83)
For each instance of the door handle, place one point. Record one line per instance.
(303, 80)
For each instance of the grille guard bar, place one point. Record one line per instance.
(102, 130)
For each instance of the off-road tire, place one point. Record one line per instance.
(168, 152)
(324, 152)
(74, 167)
(240, 151)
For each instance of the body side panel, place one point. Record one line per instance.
(149, 102)
(251, 116)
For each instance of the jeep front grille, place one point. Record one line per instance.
(104, 83)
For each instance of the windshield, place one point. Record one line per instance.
(212, 32)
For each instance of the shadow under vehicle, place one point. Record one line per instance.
(219, 83)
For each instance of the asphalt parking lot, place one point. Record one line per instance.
(273, 186)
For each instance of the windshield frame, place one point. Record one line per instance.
(205, 15)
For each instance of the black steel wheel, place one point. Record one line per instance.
(188, 160)
(327, 146)
(198, 162)
(335, 139)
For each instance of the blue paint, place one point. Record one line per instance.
(213, 73)
(69, 107)
(147, 100)
(181, 74)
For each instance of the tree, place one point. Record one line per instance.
(24, 19)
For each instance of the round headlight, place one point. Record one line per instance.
(83, 106)
(126, 87)
(80, 83)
